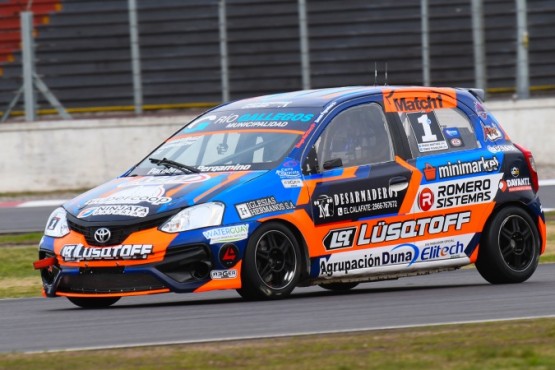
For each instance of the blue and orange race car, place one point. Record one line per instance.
(331, 187)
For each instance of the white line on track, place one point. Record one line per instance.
(302, 334)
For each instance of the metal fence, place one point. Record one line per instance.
(135, 55)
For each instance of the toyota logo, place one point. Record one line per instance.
(102, 235)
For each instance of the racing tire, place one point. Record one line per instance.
(510, 247)
(338, 287)
(93, 302)
(271, 263)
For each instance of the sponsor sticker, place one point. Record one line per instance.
(78, 252)
(135, 195)
(491, 133)
(427, 132)
(227, 234)
(457, 193)
(166, 180)
(393, 258)
(288, 173)
(340, 238)
(274, 104)
(383, 231)
(426, 199)
(418, 100)
(518, 184)
(350, 204)
(460, 168)
(292, 183)
(453, 135)
(262, 206)
(502, 148)
(223, 274)
(232, 167)
(116, 210)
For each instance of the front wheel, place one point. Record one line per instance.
(93, 302)
(271, 264)
(510, 247)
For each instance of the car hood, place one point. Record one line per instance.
(132, 198)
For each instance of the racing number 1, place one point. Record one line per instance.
(426, 126)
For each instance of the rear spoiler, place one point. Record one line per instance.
(477, 93)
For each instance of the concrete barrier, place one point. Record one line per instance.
(65, 155)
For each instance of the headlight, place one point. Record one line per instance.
(56, 226)
(195, 217)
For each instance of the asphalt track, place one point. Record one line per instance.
(39, 324)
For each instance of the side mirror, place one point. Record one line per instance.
(310, 165)
(333, 163)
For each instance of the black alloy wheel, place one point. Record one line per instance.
(510, 247)
(272, 263)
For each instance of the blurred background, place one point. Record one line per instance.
(142, 55)
(89, 87)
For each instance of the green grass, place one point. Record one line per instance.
(20, 239)
(523, 344)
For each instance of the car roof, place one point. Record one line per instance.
(319, 98)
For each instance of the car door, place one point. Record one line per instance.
(353, 176)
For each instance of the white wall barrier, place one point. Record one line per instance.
(65, 155)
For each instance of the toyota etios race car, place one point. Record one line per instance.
(330, 187)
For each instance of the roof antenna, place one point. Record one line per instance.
(375, 73)
(385, 82)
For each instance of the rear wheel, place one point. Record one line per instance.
(510, 247)
(93, 302)
(271, 264)
(339, 287)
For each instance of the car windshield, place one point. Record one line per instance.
(230, 141)
(220, 151)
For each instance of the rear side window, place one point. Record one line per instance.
(438, 131)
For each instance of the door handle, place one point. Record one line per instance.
(398, 183)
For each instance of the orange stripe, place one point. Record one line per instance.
(543, 234)
(474, 256)
(103, 295)
(230, 179)
(415, 181)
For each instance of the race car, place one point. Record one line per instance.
(330, 187)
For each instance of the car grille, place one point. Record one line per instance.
(108, 281)
(119, 230)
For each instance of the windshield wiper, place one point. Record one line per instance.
(169, 163)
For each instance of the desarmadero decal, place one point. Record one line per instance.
(352, 200)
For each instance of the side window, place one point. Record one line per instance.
(438, 131)
(356, 136)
